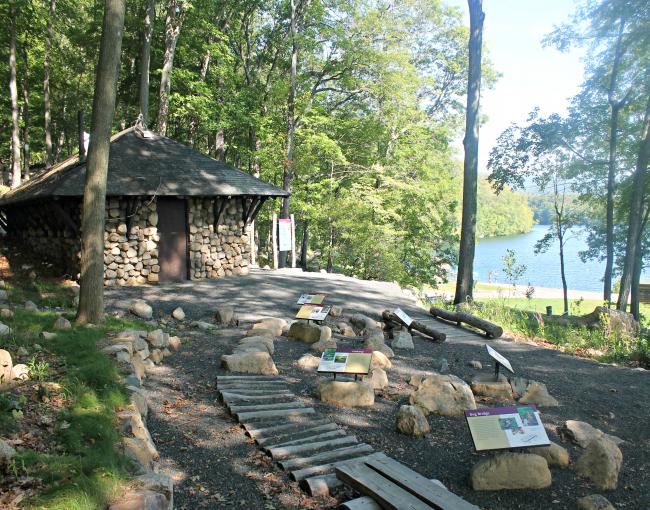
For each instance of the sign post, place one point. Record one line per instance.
(499, 361)
(274, 240)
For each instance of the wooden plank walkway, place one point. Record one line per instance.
(321, 455)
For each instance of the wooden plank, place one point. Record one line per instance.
(251, 384)
(254, 392)
(230, 398)
(362, 503)
(283, 413)
(418, 485)
(250, 377)
(323, 469)
(264, 407)
(369, 482)
(254, 430)
(321, 486)
(309, 439)
(327, 456)
(277, 439)
(284, 452)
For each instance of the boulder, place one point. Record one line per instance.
(141, 309)
(346, 393)
(138, 450)
(377, 378)
(344, 329)
(321, 345)
(510, 471)
(484, 385)
(31, 306)
(273, 323)
(257, 341)
(226, 315)
(131, 423)
(5, 313)
(302, 330)
(158, 338)
(141, 499)
(443, 394)
(601, 462)
(46, 335)
(536, 393)
(380, 360)
(336, 311)
(411, 421)
(3, 295)
(475, 364)
(158, 482)
(4, 330)
(138, 368)
(373, 335)
(22, 351)
(361, 322)
(308, 362)
(7, 452)
(178, 313)
(594, 502)
(383, 348)
(325, 333)
(5, 367)
(581, 433)
(554, 454)
(20, 372)
(62, 323)
(174, 343)
(250, 363)
(138, 400)
(156, 356)
(204, 326)
(403, 340)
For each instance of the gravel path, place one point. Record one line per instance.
(216, 466)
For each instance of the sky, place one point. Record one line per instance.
(532, 76)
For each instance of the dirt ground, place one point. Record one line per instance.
(217, 466)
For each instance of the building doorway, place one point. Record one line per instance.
(172, 247)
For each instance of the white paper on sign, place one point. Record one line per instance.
(284, 234)
(498, 357)
(403, 316)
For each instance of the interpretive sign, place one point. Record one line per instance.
(506, 427)
(403, 316)
(499, 359)
(346, 361)
(315, 298)
(284, 234)
(313, 312)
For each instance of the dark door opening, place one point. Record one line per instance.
(172, 247)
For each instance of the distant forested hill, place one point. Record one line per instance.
(500, 215)
(542, 206)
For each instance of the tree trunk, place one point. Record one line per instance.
(636, 206)
(13, 96)
(145, 60)
(465, 277)
(636, 281)
(220, 146)
(81, 130)
(173, 24)
(46, 87)
(91, 295)
(565, 291)
(303, 245)
(26, 118)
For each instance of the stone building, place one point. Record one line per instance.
(172, 213)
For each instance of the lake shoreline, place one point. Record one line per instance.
(502, 290)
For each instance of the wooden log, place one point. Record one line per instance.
(328, 456)
(230, 398)
(255, 431)
(488, 327)
(323, 469)
(282, 413)
(418, 326)
(284, 452)
(221, 378)
(304, 430)
(246, 392)
(366, 503)
(308, 439)
(321, 486)
(234, 409)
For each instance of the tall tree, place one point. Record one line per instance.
(173, 24)
(13, 97)
(145, 58)
(26, 116)
(465, 277)
(91, 295)
(47, 115)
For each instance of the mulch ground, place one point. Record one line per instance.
(216, 466)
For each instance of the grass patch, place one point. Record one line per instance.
(81, 467)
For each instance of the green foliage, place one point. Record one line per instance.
(503, 214)
(511, 268)
(38, 370)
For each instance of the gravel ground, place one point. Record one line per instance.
(216, 466)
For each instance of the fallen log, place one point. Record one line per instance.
(488, 327)
(420, 327)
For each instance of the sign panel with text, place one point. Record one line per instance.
(313, 312)
(499, 358)
(346, 361)
(284, 234)
(314, 298)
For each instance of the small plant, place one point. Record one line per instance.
(511, 269)
(38, 370)
(530, 290)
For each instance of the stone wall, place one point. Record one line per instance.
(131, 241)
(219, 252)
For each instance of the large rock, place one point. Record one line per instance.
(346, 393)
(321, 345)
(138, 450)
(447, 395)
(374, 335)
(531, 392)
(581, 433)
(273, 323)
(158, 482)
(140, 308)
(158, 338)
(554, 454)
(510, 471)
(344, 329)
(174, 343)
(6, 313)
(308, 362)
(380, 360)
(594, 502)
(383, 348)
(4, 330)
(411, 421)
(6, 364)
(302, 330)
(6, 452)
(141, 499)
(257, 341)
(485, 385)
(31, 306)
(250, 363)
(601, 462)
(20, 372)
(226, 315)
(131, 423)
(361, 322)
(377, 377)
(325, 333)
(62, 323)
(178, 313)
(403, 340)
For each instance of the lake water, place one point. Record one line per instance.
(543, 269)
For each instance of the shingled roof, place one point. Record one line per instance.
(146, 166)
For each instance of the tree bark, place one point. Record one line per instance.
(173, 24)
(46, 87)
(26, 117)
(81, 130)
(91, 295)
(303, 245)
(13, 97)
(465, 277)
(220, 145)
(145, 60)
(636, 206)
(636, 281)
(491, 329)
